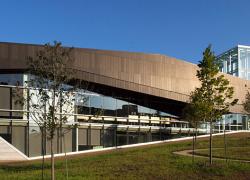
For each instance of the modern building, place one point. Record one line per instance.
(132, 98)
(236, 62)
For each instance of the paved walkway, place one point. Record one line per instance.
(189, 153)
(9, 153)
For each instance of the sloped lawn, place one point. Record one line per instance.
(150, 162)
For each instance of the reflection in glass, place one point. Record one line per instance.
(96, 105)
(109, 105)
(122, 109)
(143, 111)
(11, 79)
(83, 103)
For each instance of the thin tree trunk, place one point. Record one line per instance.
(196, 133)
(52, 137)
(195, 139)
(210, 143)
(225, 145)
(43, 153)
(193, 149)
(52, 161)
(65, 155)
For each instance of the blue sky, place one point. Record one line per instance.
(178, 28)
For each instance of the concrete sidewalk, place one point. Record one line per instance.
(9, 153)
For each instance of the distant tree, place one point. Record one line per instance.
(214, 97)
(246, 103)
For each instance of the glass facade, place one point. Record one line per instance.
(236, 62)
(87, 102)
(233, 122)
(229, 62)
(96, 104)
(104, 121)
(244, 62)
(11, 79)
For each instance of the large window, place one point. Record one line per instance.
(229, 61)
(122, 109)
(83, 103)
(96, 104)
(143, 111)
(11, 79)
(109, 105)
(244, 62)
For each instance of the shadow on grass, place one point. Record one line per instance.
(28, 167)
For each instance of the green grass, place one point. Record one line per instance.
(238, 147)
(240, 153)
(151, 162)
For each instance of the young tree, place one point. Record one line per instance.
(50, 99)
(193, 114)
(246, 103)
(214, 97)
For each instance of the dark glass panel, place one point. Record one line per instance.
(5, 101)
(96, 105)
(109, 138)
(11, 79)
(143, 111)
(109, 106)
(122, 108)
(83, 103)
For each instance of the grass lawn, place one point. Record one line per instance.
(238, 147)
(242, 153)
(151, 162)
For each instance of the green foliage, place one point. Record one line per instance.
(214, 97)
(52, 63)
(49, 74)
(51, 99)
(246, 103)
(193, 112)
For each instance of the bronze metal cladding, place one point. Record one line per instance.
(153, 75)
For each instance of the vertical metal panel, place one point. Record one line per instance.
(4, 100)
(18, 137)
(95, 137)
(139, 69)
(35, 142)
(82, 136)
(68, 139)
